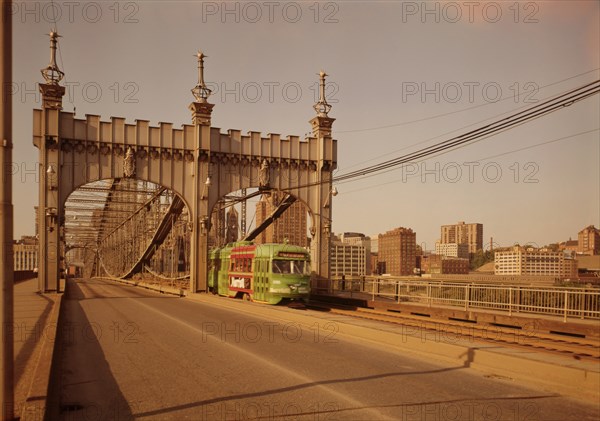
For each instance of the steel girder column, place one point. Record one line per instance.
(50, 208)
(321, 132)
(201, 111)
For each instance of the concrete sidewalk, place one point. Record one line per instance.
(35, 328)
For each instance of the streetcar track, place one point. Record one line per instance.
(580, 348)
(577, 349)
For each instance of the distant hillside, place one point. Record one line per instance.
(486, 268)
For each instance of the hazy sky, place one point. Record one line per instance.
(403, 75)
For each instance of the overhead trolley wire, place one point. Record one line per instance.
(506, 123)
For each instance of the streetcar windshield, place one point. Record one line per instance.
(301, 267)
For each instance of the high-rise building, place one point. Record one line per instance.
(374, 243)
(216, 236)
(232, 228)
(461, 233)
(530, 261)
(290, 226)
(589, 241)
(397, 251)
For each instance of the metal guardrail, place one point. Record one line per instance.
(582, 303)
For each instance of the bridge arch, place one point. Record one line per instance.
(126, 222)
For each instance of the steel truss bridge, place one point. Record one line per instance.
(121, 227)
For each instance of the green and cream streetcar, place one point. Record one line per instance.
(266, 273)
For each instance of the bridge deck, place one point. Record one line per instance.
(131, 352)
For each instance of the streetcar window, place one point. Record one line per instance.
(241, 265)
(281, 266)
(301, 267)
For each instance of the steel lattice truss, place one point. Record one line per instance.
(120, 227)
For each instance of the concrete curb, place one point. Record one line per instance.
(578, 382)
(36, 404)
(160, 288)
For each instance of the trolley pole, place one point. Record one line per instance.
(6, 216)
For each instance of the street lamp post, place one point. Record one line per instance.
(6, 219)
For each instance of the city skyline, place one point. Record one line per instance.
(539, 194)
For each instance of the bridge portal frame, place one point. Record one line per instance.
(198, 162)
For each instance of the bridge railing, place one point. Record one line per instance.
(582, 303)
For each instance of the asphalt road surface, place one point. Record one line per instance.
(128, 353)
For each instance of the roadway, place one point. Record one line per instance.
(130, 353)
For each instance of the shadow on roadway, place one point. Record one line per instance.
(82, 386)
(213, 401)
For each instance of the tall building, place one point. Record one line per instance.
(232, 228)
(397, 251)
(349, 258)
(452, 250)
(461, 233)
(374, 243)
(374, 260)
(589, 241)
(538, 262)
(216, 236)
(290, 226)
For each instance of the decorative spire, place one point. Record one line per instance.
(201, 91)
(52, 74)
(322, 107)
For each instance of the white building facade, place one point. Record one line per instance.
(25, 256)
(536, 262)
(452, 250)
(350, 256)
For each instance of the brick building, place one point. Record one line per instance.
(439, 264)
(397, 251)
(290, 226)
(589, 241)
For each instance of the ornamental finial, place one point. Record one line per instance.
(322, 107)
(201, 91)
(52, 74)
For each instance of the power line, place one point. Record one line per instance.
(464, 127)
(558, 102)
(480, 159)
(419, 120)
(506, 123)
